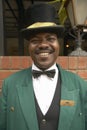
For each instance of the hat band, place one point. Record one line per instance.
(41, 24)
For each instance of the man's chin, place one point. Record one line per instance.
(44, 65)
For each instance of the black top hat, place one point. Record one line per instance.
(41, 18)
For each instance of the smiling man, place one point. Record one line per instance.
(43, 96)
(44, 49)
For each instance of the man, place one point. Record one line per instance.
(44, 96)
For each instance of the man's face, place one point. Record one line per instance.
(44, 49)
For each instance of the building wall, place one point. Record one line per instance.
(12, 64)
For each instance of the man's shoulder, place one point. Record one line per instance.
(71, 76)
(17, 79)
(19, 74)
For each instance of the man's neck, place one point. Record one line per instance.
(36, 68)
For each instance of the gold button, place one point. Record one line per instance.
(80, 114)
(12, 109)
(44, 121)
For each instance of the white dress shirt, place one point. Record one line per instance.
(44, 88)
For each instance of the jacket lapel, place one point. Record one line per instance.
(68, 103)
(26, 98)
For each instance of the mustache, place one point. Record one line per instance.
(44, 50)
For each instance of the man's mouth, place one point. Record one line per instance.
(44, 54)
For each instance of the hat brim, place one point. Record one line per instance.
(29, 32)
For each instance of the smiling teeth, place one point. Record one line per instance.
(43, 54)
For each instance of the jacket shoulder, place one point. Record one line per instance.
(71, 77)
(19, 75)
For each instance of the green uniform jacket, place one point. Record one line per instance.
(17, 106)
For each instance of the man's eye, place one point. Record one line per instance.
(51, 39)
(34, 41)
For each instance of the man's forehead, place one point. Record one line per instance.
(44, 34)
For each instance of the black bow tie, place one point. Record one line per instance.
(49, 73)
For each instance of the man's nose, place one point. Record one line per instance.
(43, 44)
